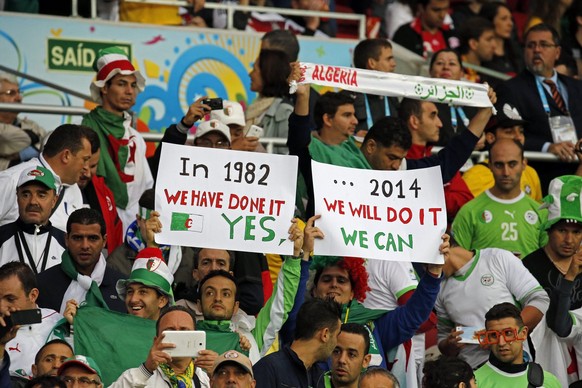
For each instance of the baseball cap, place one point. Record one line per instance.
(214, 125)
(231, 113)
(232, 356)
(151, 270)
(506, 117)
(84, 362)
(37, 174)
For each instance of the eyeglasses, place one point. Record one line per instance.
(82, 381)
(542, 45)
(491, 337)
(11, 92)
(209, 144)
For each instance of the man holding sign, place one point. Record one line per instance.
(218, 298)
(239, 198)
(345, 280)
(384, 147)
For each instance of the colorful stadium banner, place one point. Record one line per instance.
(391, 84)
(388, 215)
(226, 199)
(179, 64)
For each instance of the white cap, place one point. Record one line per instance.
(212, 126)
(231, 113)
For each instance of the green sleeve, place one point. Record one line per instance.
(274, 313)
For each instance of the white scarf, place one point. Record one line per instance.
(390, 84)
(78, 288)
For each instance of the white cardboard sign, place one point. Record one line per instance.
(387, 215)
(225, 199)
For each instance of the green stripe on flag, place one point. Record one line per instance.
(179, 221)
(116, 341)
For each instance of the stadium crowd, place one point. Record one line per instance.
(78, 220)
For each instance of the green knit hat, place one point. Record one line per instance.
(564, 200)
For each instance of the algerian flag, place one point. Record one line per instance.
(187, 222)
(115, 341)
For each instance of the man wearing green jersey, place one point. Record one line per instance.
(509, 365)
(503, 216)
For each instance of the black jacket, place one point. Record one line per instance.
(521, 92)
(285, 369)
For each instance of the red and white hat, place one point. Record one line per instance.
(111, 61)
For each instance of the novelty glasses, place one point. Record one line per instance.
(491, 337)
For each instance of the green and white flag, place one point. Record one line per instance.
(188, 222)
(116, 341)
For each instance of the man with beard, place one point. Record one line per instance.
(350, 356)
(548, 102)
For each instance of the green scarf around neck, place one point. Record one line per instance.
(114, 152)
(94, 297)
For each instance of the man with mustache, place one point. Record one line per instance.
(65, 154)
(548, 102)
(349, 357)
(32, 239)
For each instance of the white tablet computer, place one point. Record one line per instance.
(188, 343)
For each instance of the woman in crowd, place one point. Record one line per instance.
(446, 64)
(508, 55)
(272, 108)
